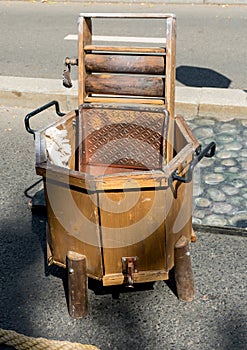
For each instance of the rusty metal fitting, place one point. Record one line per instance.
(73, 61)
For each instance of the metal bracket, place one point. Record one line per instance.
(208, 151)
(68, 62)
(129, 266)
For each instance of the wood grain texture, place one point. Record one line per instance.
(183, 270)
(178, 216)
(84, 38)
(107, 212)
(129, 60)
(125, 49)
(124, 85)
(127, 15)
(77, 284)
(139, 277)
(125, 64)
(170, 81)
(73, 224)
(124, 100)
(133, 224)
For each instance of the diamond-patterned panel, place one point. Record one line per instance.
(132, 138)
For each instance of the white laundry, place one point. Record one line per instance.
(58, 147)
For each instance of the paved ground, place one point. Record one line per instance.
(220, 189)
(211, 39)
(33, 298)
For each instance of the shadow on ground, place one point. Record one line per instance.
(201, 77)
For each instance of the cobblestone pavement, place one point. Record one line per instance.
(220, 183)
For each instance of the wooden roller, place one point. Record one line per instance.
(111, 63)
(110, 84)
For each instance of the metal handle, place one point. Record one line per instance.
(208, 151)
(68, 62)
(41, 109)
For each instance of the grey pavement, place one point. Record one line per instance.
(33, 297)
(180, 2)
(147, 2)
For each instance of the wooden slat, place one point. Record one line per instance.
(84, 38)
(125, 64)
(127, 49)
(130, 227)
(183, 134)
(123, 99)
(128, 15)
(139, 277)
(171, 64)
(105, 169)
(125, 85)
(73, 224)
(102, 183)
(170, 82)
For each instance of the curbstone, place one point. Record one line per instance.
(33, 92)
(211, 102)
(189, 101)
(223, 102)
(161, 2)
(225, 2)
(153, 2)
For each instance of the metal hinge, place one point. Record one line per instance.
(129, 266)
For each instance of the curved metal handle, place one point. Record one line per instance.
(41, 109)
(208, 151)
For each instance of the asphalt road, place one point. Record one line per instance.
(211, 40)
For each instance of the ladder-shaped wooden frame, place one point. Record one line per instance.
(127, 74)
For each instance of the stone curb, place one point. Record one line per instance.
(151, 2)
(154, 2)
(165, 2)
(211, 102)
(189, 101)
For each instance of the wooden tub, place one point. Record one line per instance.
(115, 201)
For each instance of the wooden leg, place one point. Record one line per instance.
(193, 236)
(77, 284)
(183, 270)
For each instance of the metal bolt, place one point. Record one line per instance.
(71, 271)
